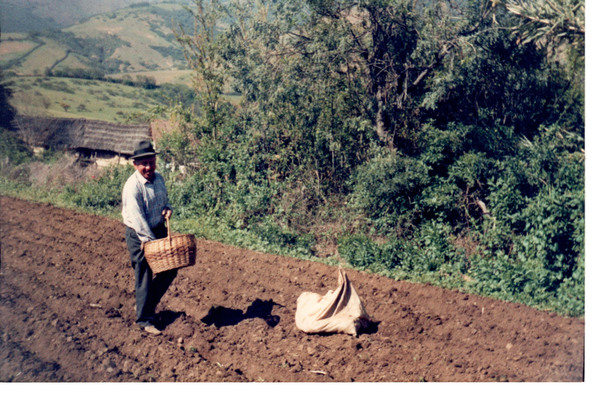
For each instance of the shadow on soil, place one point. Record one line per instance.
(223, 316)
(166, 318)
(371, 328)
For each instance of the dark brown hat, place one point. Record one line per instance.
(143, 149)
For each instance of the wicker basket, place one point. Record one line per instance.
(171, 252)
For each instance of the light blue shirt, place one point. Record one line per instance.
(143, 203)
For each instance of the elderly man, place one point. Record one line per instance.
(145, 208)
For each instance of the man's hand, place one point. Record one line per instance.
(166, 213)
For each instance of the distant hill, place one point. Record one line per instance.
(71, 72)
(134, 39)
(18, 16)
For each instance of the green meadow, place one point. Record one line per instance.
(79, 98)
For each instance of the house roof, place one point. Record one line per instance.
(66, 133)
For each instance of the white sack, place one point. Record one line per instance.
(338, 311)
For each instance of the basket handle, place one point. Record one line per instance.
(169, 231)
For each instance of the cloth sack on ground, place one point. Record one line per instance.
(338, 311)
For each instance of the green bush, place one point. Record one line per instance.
(532, 247)
(429, 255)
(12, 150)
(279, 236)
(102, 194)
(359, 251)
(570, 297)
(386, 189)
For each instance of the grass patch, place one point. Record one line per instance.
(74, 98)
(183, 77)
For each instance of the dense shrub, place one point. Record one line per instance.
(12, 149)
(530, 240)
(102, 194)
(387, 187)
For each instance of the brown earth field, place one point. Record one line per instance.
(67, 315)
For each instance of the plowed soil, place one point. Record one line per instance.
(67, 315)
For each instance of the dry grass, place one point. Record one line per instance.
(66, 170)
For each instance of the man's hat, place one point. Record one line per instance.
(143, 149)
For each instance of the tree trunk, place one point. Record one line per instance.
(382, 132)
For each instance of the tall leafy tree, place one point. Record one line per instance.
(201, 49)
(558, 27)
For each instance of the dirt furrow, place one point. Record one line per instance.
(90, 336)
(112, 358)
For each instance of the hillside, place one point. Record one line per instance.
(39, 15)
(133, 39)
(19, 18)
(467, 172)
(59, 97)
(59, 73)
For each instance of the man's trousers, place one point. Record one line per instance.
(149, 289)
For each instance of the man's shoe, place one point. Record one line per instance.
(152, 330)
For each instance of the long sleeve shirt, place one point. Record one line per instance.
(143, 203)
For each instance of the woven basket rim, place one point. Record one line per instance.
(162, 240)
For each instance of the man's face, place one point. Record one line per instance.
(146, 167)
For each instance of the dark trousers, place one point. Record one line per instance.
(149, 289)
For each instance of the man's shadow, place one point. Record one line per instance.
(220, 316)
(167, 317)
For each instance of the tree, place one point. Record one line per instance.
(201, 50)
(393, 49)
(552, 23)
(558, 27)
